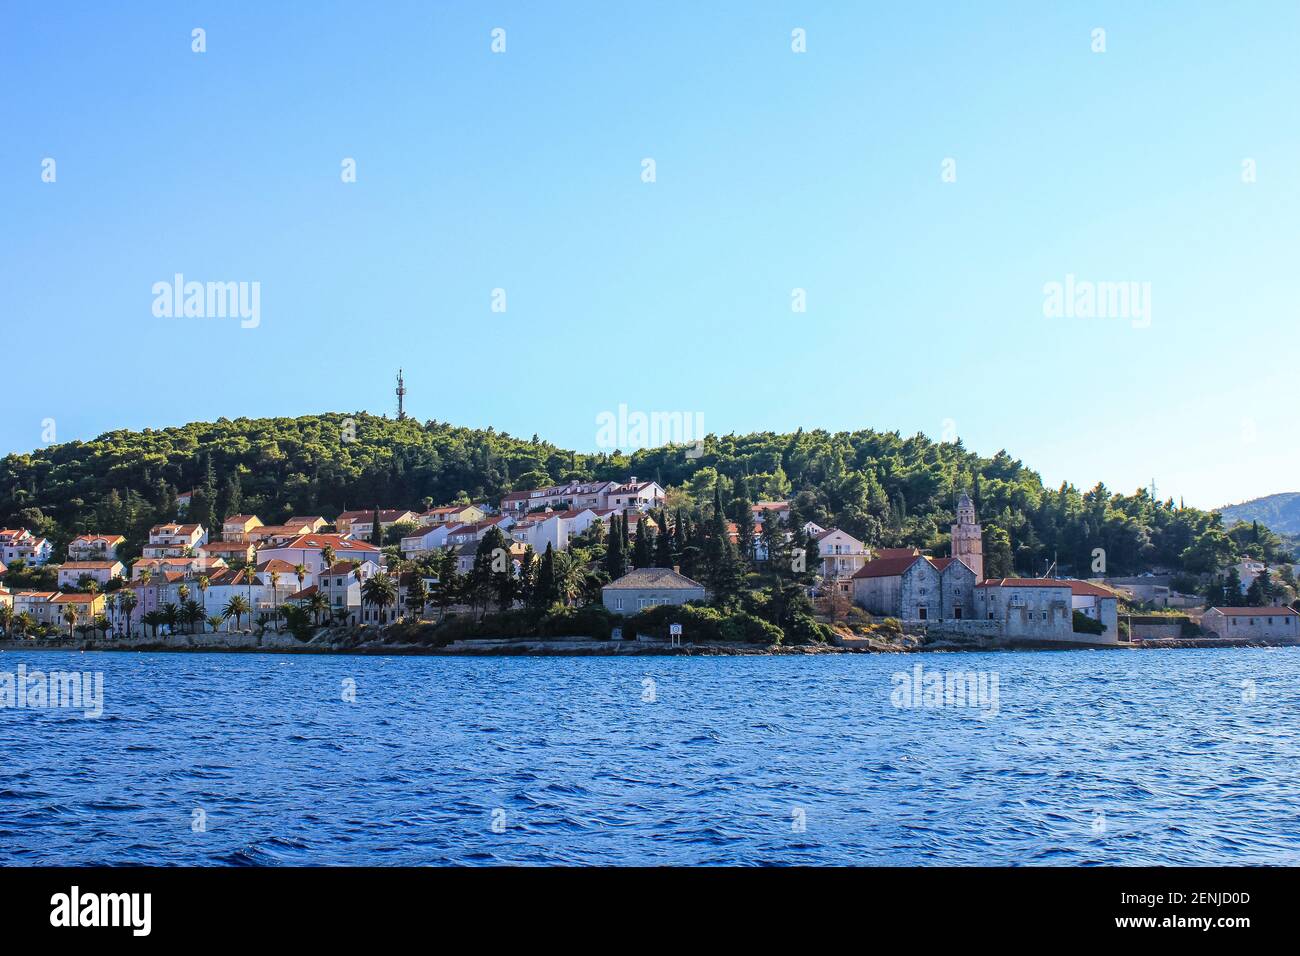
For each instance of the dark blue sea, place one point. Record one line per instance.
(1088, 757)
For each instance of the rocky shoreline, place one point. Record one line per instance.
(371, 641)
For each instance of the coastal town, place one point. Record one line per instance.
(376, 566)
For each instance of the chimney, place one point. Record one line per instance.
(632, 480)
(677, 569)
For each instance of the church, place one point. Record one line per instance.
(911, 586)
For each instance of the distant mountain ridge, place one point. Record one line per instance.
(1280, 512)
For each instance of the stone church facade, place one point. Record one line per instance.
(903, 583)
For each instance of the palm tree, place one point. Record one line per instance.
(183, 593)
(172, 616)
(568, 576)
(24, 622)
(6, 617)
(203, 583)
(236, 607)
(381, 592)
(214, 622)
(275, 586)
(127, 600)
(69, 616)
(102, 624)
(191, 614)
(151, 619)
(300, 572)
(317, 604)
(327, 556)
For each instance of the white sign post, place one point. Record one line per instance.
(674, 635)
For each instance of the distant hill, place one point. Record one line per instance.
(1280, 512)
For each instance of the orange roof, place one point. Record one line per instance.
(92, 538)
(275, 564)
(74, 598)
(90, 565)
(307, 542)
(886, 567)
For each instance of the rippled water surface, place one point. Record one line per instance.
(1093, 757)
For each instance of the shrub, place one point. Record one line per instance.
(743, 626)
(1082, 624)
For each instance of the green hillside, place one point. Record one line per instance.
(882, 487)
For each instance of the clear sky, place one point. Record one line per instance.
(774, 170)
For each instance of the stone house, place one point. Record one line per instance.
(649, 587)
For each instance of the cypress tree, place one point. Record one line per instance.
(546, 593)
(664, 542)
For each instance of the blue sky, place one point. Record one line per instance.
(774, 171)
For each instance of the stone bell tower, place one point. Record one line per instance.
(968, 538)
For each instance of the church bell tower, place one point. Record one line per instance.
(968, 538)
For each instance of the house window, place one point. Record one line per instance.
(618, 604)
(956, 613)
(922, 612)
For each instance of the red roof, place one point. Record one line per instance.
(886, 567)
(308, 542)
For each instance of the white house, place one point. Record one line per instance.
(306, 549)
(361, 524)
(842, 555)
(72, 572)
(19, 544)
(174, 540)
(94, 547)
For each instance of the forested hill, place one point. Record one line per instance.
(1279, 512)
(884, 488)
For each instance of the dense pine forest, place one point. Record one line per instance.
(881, 487)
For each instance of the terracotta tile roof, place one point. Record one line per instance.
(886, 567)
(89, 539)
(90, 565)
(74, 598)
(275, 564)
(308, 542)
